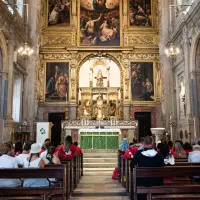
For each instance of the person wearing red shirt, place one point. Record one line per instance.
(67, 151)
(79, 150)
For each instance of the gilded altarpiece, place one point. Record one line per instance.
(138, 44)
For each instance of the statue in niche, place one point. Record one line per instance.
(99, 107)
(182, 96)
(113, 108)
(86, 108)
(99, 79)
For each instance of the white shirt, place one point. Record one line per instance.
(43, 154)
(8, 162)
(20, 158)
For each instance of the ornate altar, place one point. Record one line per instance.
(99, 101)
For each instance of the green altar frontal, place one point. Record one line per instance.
(99, 139)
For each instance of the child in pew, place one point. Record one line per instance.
(51, 158)
(21, 157)
(34, 161)
(67, 151)
(7, 161)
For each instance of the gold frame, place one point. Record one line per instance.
(144, 28)
(44, 84)
(78, 28)
(154, 82)
(52, 28)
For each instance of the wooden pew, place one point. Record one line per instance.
(122, 171)
(33, 192)
(127, 171)
(181, 160)
(187, 163)
(167, 190)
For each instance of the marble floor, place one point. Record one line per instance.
(99, 186)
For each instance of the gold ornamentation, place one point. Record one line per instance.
(57, 56)
(141, 39)
(52, 39)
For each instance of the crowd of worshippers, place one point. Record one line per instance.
(31, 155)
(147, 153)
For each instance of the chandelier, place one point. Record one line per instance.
(26, 51)
(171, 51)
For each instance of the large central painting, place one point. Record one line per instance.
(99, 22)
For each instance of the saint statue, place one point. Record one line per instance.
(99, 106)
(99, 79)
(86, 108)
(182, 97)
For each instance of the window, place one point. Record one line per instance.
(16, 98)
(20, 7)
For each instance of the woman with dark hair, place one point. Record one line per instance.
(67, 151)
(187, 147)
(34, 161)
(51, 158)
(165, 151)
(7, 161)
(18, 148)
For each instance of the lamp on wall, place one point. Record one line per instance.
(171, 50)
(25, 50)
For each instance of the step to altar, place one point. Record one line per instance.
(99, 160)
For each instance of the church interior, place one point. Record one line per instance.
(100, 71)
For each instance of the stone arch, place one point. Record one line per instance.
(104, 55)
(111, 57)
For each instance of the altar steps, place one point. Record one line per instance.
(101, 161)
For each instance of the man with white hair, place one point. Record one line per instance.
(194, 156)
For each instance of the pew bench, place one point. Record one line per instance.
(35, 193)
(177, 191)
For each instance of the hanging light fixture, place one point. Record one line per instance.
(26, 51)
(172, 51)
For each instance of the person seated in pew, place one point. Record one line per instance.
(51, 158)
(34, 161)
(131, 151)
(67, 151)
(171, 144)
(165, 151)
(10, 145)
(78, 149)
(141, 144)
(123, 147)
(187, 148)
(148, 157)
(7, 161)
(25, 153)
(179, 151)
(45, 146)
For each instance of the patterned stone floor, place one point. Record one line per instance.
(99, 186)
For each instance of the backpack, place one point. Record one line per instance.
(115, 175)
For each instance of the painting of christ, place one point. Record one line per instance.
(57, 82)
(142, 81)
(59, 12)
(140, 13)
(99, 22)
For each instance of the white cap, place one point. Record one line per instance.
(35, 148)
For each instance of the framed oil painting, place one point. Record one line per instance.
(59, 13)
(140, 13)
(142, 81)
(99, 23)
(57, 82)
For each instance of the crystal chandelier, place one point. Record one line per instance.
(25, 51)
(171, 51)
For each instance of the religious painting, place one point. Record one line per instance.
(140, 13)
(99, 22)
(59, 12)
(142, 81)
(57, 81)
